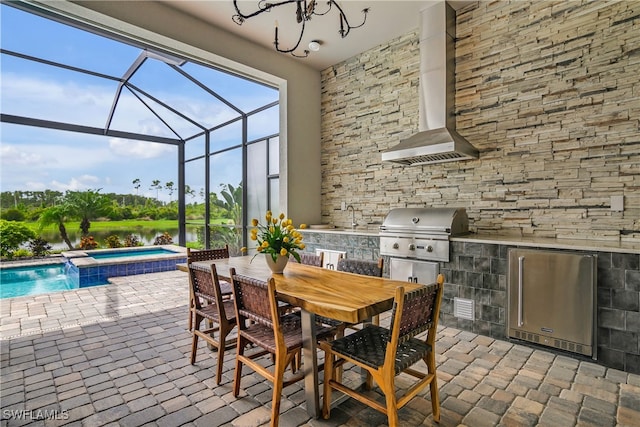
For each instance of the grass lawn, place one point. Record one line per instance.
(109, 225)
(122, 225)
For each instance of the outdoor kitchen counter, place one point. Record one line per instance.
(359, 231)
(526, 241)
(551, 243)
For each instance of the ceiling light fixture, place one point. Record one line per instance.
(304, 11)
(314, 45)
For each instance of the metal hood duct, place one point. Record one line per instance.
(437, 141)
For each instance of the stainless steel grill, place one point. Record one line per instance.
(421, 233)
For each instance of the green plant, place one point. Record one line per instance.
(163, 239)
(22, 253)
(88, 205)
(39, 247)
(12, 235)
(13, 215)
(57, 215)
(131, 240)
(113, 241)
(277, 237)
(88, 243)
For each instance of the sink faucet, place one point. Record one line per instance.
(353, 217)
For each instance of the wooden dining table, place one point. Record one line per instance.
(347, 297)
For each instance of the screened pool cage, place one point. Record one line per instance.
(224, 127)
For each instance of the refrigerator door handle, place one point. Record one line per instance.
(520, 280)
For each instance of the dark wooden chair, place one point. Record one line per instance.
(209, 306)
(358, 266)
(309, 258)
(261, 323)
(366, 268)
(207, 255)
(385, 353)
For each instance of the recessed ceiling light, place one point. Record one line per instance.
(314, 45)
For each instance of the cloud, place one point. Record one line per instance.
(81, 183)
(12, 155)
(139, 149)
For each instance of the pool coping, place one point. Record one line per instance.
(84, 258)
(32, 262)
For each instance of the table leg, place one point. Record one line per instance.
(310, 363)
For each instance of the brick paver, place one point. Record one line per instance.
(119, 355)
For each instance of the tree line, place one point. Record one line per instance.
(55, 208)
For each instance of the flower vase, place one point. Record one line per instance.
(277, 266)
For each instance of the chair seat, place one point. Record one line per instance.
(368, 346)
(291, 330)
(211, 312)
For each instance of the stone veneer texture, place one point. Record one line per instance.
(479, 272)
(548, 92)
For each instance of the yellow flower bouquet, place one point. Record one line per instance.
(277, 236)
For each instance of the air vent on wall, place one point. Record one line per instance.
(464, 308)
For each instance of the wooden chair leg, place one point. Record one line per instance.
(328, 376)
(238, 370)
(392, 405)
(190, 314)
(278, 378)
(194, 341)
(433, 387)
(221, 346)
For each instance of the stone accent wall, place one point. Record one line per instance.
(547, 91)
(479, 272)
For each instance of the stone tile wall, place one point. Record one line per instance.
(479, 271)
(547, 91)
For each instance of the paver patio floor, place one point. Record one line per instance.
(118, 355)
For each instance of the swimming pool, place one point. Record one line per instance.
(126, 253)
(33, 280)
(96, 266)
(81, 269)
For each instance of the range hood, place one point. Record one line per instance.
(437, 141)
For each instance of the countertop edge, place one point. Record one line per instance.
(342, 231)
(540, 242)
(553, 243)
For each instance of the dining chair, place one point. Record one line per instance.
(309, 258)
(385, 353)
(261, 324)
(207, 255)
(367, 268)
(209, 306)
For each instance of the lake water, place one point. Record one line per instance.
(147, 236)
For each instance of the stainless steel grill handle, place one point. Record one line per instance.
(520, 280)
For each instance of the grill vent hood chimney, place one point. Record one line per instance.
(437, 140)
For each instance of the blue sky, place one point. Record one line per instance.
(38, 159)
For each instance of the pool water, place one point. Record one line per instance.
(41, 279)
(131, 253)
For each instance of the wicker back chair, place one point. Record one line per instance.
(207, 255)
(367, 268)
(209, 305)
(309, 258)
(261, 323)
(385, 353)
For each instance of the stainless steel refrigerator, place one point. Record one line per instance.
(552, 299)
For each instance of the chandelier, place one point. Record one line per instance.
(305, 10)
